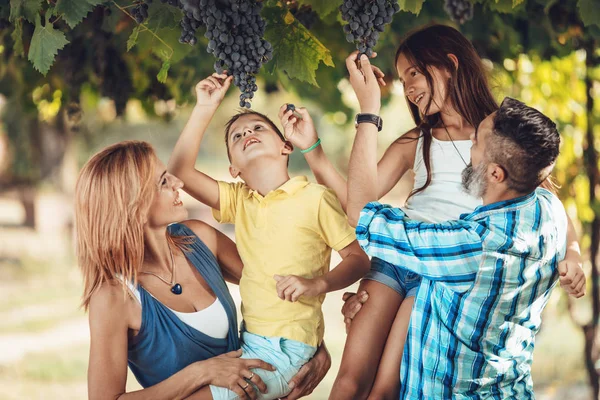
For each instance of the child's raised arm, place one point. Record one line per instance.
(182, 164)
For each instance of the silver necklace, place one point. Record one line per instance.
(175, 287)
(454, 145)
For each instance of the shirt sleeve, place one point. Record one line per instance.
(228, 200)
(333, 223)
(450, 252)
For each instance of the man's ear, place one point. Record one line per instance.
(287, 149)
(496, 173)
(454, 60)
(234, 171)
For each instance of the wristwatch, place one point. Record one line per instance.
(370, 118)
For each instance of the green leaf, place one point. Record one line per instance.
(27, 9)
(322, 7)
(413, 6)
(501, 6)
(295, 50)
(74, 11)
(45, 43)
(164, 72)
(589, 11)
(133, 37)
(17, 37)
(517, 2)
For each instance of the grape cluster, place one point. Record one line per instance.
(235, 32)
(459, 11)
(305, 15)
(366, 19)
(140, 10)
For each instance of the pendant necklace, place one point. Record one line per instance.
(455, 148)
(175, 287)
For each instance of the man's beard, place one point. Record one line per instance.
(473, 180)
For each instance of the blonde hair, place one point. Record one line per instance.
(114, 192)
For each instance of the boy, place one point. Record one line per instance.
(285, 230)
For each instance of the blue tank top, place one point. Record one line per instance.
(164, 344)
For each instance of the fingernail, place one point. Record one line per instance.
(292, 385)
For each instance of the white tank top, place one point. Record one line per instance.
(211, 321)
(444, 199)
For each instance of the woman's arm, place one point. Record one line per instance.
(222, 247)
(109, 314)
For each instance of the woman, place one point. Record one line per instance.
(155, 289)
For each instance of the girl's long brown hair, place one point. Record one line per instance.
(467, 88)
(114, 192)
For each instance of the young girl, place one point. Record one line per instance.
(448, 95)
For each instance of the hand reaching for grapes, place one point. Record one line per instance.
(365, 83)
(211, 91)
(300, 132)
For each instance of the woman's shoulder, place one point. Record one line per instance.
(110, 302)
(206, 233)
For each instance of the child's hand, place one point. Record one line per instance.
(291, 287)
(211, 91)
(572, 278)
(365, 81)
(300, 132)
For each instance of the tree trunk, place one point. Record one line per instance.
(591, 162)
(27, 198)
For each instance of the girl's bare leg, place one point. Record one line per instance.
(387, 381)
(365, 343)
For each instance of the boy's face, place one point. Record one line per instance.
(250, 138)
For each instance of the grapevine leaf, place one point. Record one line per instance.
(501, 6)
(74, 11)
(322, 7)
(589, 12)
(17, 37)
(27, 9)
(517, 2)
(45, 43)
(160, 34)
(133, 37)
(413, 6)
(164, 72)
(295, 50)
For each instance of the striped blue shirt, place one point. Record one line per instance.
(486, 280)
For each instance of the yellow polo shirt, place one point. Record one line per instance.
(290, 231)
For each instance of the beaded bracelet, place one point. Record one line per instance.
(314, 146)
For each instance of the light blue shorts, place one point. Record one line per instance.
(286, 355)
(401, 280)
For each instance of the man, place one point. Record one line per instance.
(487, 276)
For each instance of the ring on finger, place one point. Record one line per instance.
(251, 376)
(245, 386)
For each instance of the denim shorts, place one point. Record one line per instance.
(286, 355)
(401, 280)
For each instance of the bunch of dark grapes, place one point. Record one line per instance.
(366, 20)
(459, 11)
(305, 15)
(140, 10)
(235, 32)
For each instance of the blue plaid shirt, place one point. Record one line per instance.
(486, 280)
